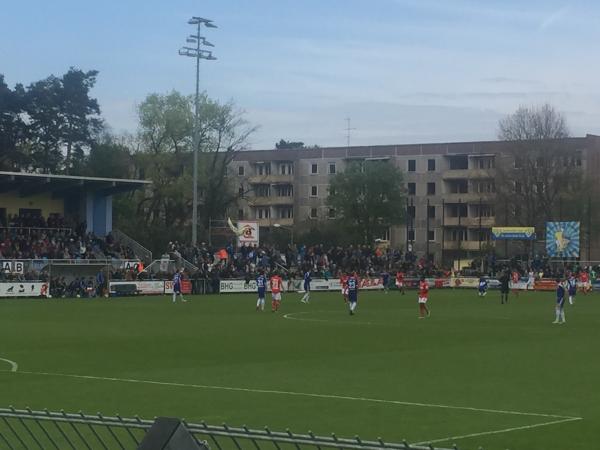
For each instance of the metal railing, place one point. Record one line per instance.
(140, 251)
(41, 430)
(28, 230)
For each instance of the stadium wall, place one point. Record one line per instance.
(12, 202)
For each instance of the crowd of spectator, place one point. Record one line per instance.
(34, 220)
(291, 261)
(33, 237)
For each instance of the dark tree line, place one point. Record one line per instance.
(49, 125)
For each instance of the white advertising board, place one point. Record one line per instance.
(142, 287)
(24, 289)
(249, 234)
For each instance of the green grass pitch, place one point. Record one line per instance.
(476, 373)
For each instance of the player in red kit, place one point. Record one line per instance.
(276, 285)
(584, 278)
(423, 295)
(344, 284)
(515, 279)
(400, 281)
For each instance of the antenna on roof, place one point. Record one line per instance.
(348, 129)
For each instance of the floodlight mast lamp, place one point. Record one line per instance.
(198, 53)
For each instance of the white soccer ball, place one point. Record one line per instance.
(78, 296)
(49, 296)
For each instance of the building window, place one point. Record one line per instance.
(286, 213)
(411, 211)
(240, 214)
(458, 234)
(431, 235)
(314, 191)
(485, 163)
(331, 213)
(518, 163)
(313, 213)
(484, 211)
(518, 187)
(431, 212)
(430, 188)
(459, 162)
(284, 190)
(314, 169)
(331, 168)
(263, 169)
(241, 171)
(412, 165)
(286, 169)
(262, 190)
(412, 188)
(411, 235)
(431, 165)
(263, 213)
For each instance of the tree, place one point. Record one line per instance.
(368, 198)
(79, 116)
(42, 106)
(283, 144)
(542, 172)
(164, 155)
(12, 127)
(109, 158)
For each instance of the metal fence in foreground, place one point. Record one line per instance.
(44, 430)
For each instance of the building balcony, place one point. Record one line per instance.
(270, 201)
(468, 174)
(472, 198)
(272, 221)
(464, 245)
(470, 222)
(271, 179)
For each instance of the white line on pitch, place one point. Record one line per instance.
(290, 316)
(505, 430)
(299, 394)
(14, 366)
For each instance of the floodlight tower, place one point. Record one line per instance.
(198, 53)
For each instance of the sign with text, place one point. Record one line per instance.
(506, 233)
(249, 233)
(13, 267)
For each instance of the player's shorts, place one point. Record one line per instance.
(352, 298)
(276, 296)
(587, 285)
(560, 302)
(261, 293)
(306, 287)
(345, 292)
(422, 299)
(177, 289)
(399, 284)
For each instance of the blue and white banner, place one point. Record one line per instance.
(562, 239)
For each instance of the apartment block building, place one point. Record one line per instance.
(451, 191)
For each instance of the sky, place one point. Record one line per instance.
(403, 71)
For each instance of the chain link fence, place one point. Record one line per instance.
(42, 430)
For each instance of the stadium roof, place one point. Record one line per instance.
(27, 184)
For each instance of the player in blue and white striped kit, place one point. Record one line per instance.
(572, 288)
(307, 280)
(483, 286)
(261, 287)
(352, 284)
(177, 278)
(560, 302)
